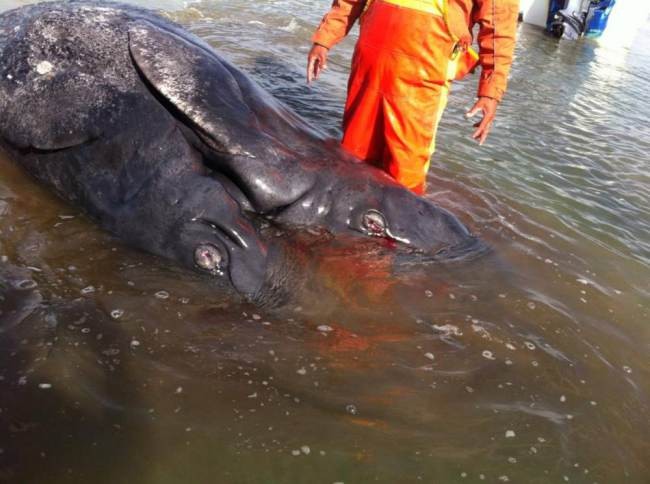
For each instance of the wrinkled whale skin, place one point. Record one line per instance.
(177, 152)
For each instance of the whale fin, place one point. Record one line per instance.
(213, 96)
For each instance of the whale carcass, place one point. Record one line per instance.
(177, 152)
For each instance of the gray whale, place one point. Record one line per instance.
(177, 152)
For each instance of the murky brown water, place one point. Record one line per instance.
(530, 365)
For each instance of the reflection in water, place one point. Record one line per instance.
(529, 364)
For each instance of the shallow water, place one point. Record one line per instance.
(528, 365)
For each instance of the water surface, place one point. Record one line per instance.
(530, 365)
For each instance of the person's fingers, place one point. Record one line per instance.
(485, 134)
(310, 68)
(484, 126)
(482, 131)
(479, 127)
(316, 64)
(473, 112)
(485, 122)
(321, 64)
(314, 69)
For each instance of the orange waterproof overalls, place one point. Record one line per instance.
(405, 58)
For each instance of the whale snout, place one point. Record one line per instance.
(421, 224)
(413, 222)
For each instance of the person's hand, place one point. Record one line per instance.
(488, 107)
(316, 62)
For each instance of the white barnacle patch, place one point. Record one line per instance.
(95, 14)
(44, 67)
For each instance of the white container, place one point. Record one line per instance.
(534, 11)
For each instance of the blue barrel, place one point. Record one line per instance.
(554, 6)
(597, 18)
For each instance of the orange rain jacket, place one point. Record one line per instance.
(497, 20)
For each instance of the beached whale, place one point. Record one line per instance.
(179, 153)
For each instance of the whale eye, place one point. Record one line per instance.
(374, 223)
(208, 257)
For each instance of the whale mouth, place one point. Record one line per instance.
(470, 249)
(466, 251)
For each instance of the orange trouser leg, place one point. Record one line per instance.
(397, 91)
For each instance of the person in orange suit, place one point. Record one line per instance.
(407, 54)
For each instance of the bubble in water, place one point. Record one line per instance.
(510, 434)
(117, 313)
(305, 449)
(531, 305)
(351, 409)
(26, 285)
(529, 345)
(291, 26)
(44, 386)
(302, 371)
(447, 329)
(429, 356)
(487, 354)
(627, 369)
(88, 290)
(323, 328)
(162, 295)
